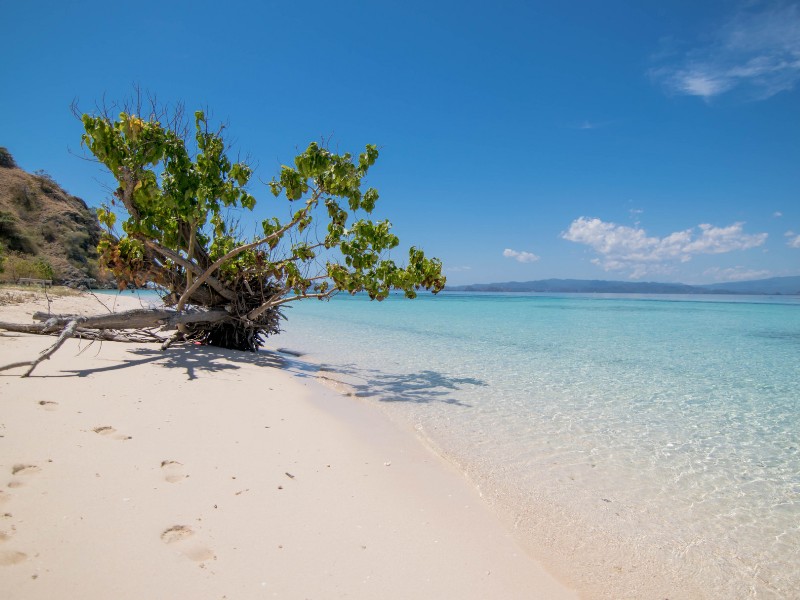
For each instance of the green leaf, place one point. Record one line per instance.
(186, 195)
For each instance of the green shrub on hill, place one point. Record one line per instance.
(18, 266)
(13, 234)
(38, 219)
(6, 160)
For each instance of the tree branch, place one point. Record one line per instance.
(67, 333)
(235, 252)
(140, 318)
(204, 277)
(256, 312)
(104, 327)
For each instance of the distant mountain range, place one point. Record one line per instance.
(774, 285)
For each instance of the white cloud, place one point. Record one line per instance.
(794, 239)
(588, 125)
(757, 51)
(523, 257)
(777, 214)
(623, 248)
(736, 273)
(717, 240)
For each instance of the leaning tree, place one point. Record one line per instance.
(180, 199)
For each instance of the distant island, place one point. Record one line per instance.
(772, 286)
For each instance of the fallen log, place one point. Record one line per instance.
(128, 326)
(139, 318)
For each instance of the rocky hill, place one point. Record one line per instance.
(44, 231)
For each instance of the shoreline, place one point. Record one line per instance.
(536, 467)
(611, 565)
(132, 473)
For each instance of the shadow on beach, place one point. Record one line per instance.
(192, 359)
(422, 387)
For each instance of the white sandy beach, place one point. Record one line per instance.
(126, 472)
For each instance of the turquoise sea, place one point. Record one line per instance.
(625, 438)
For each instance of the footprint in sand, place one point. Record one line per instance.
(48, 405)
(173, 471)
(181, 537)
(11, 557)
(21, 472)
(4, 497)
(109, 431)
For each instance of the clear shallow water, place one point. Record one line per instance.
(637, 436)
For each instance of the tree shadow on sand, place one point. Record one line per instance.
(422, 387)
(191, 359)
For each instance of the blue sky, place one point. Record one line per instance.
(656, 140)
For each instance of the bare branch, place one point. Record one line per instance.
(67, 333)
(235, 252)
(24, 327)
(139, 318)
(174, 338)
(255, 313)
(177, 258)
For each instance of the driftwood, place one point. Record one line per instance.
(136, 319)
(66, 333)
(128, 326)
